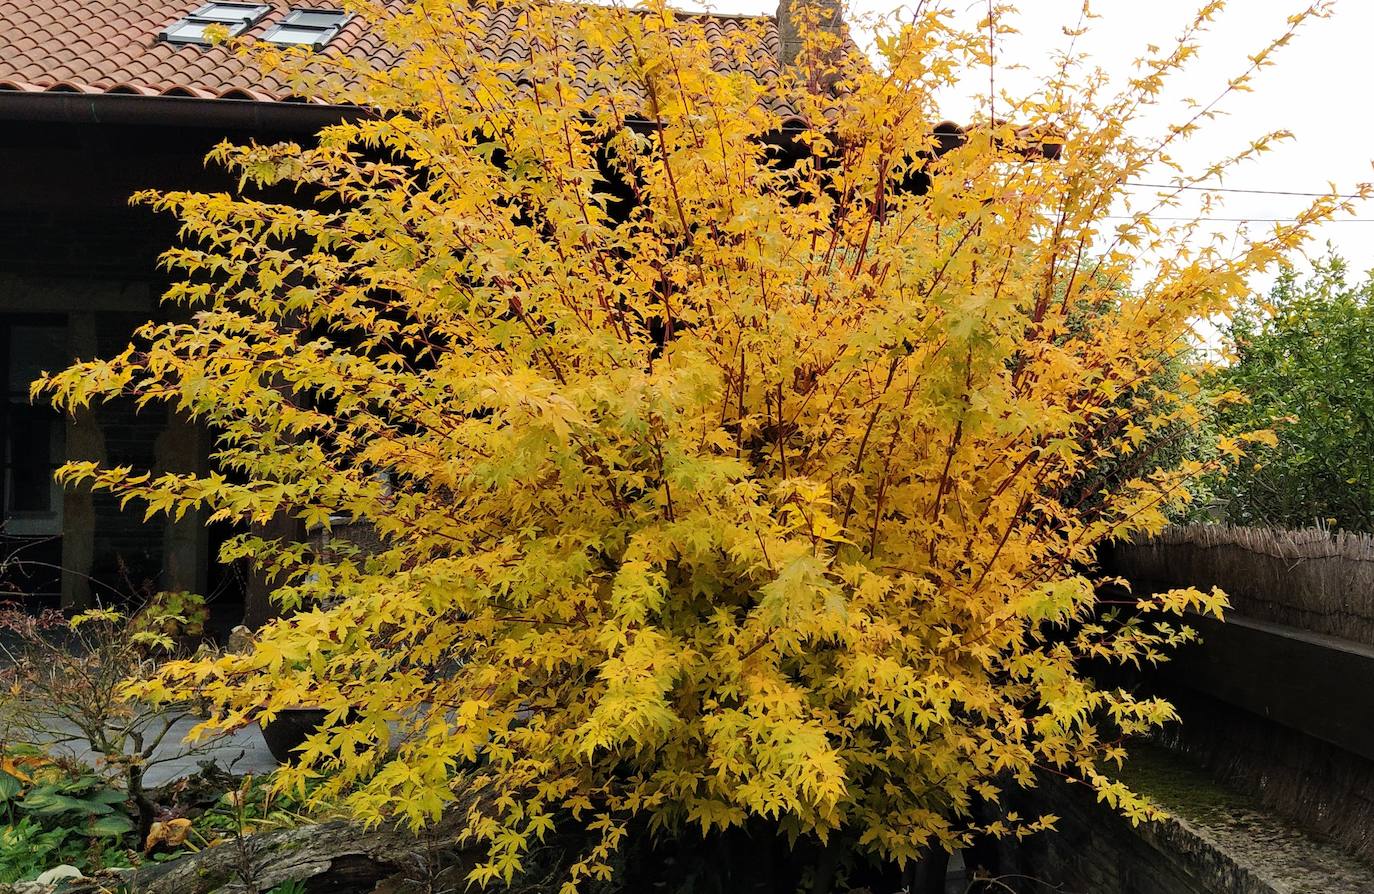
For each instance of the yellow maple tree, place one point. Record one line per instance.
(734, 453)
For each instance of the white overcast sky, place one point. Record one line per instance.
(1319, 90)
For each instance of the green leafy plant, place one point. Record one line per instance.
(257, 805)
(170, 617)
(26, 849)
(58, 813)
(1304, 365)
(292, 887)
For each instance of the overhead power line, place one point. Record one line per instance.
(1253, 192)
(1203, 217)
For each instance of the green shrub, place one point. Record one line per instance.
(1305, 364)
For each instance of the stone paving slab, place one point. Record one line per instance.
(240, 752)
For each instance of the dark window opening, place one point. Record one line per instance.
(32, 446)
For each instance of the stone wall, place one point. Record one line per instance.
(1215, 841)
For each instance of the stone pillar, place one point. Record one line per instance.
(185, 541)
(258, 605)
(84, 442)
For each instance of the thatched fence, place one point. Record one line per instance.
(1317, 580)
(1277, 702)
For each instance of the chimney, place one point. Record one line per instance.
(829, 16)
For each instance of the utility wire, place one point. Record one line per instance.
(1233, 219)
(1244, 191)
(1253, 192)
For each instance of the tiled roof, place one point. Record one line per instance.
(112, 47)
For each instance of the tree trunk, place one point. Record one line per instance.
(331, 858)
(147, 810)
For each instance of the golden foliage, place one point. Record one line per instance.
(752, 489)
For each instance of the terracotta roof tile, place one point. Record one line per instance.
(112, 46)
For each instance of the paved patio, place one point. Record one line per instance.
(240, 752)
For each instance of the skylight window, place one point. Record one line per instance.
(234, 17)
(307, 27)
